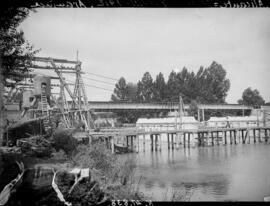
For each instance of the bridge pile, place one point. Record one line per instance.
(178, 138)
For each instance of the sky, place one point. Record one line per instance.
(127, 42)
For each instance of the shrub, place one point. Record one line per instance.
(96, 156)
(63, 139)
(114, 177)
(59, 155)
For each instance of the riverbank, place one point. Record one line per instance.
(109, 177)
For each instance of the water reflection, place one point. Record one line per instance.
(224, 172)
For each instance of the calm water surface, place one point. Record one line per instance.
(221, 173)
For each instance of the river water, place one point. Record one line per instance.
(216, 173)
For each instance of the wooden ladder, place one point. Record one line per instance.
(44, 109)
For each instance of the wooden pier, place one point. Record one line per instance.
(176, 138)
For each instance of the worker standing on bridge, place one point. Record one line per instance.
(227, 122)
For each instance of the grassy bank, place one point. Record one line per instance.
(110, 178)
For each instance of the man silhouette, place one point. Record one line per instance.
(227, 122)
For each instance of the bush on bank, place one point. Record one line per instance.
(114, 177)
(63, 139)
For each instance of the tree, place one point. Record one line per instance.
(251, 98)
(120, 91)
(171, 90)
(125, 92)
(159, 91)
(211, 84)
(131, 92)
(15, 51)
(145, 88)
(217, 84)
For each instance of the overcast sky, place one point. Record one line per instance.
(128, 42)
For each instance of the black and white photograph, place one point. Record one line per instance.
(134, 106)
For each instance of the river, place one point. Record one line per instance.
(217, 173)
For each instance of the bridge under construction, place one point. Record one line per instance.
(37, 105)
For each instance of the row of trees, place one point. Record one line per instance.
(208, 85)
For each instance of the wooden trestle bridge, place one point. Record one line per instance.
(176, 138)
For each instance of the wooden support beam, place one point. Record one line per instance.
(193, 137)
(184, 140)
(248, 134)
(207, 138)
(212, 137)
(156, 142)
(234, 135)
(203, 119)
(238, 135)
(112, 144)
(254, 135)
(218, 138)
(199, 139)
(143, 142)
(160, 144)
(203, 138)
(70, 69)
(48, 59)
(131, 142)
(189, 140)
(177, 137)
(222, 138)
(225, 137)
(259, 130)
(172, 140)
(152, 141)
(137, 145)
(168, 141)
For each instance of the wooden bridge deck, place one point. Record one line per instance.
(158, 131)
(177, 137)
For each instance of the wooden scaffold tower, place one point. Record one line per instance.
(78, 110)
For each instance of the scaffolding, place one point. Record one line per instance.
(79, 110)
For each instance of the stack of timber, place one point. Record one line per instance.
(35, 146)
